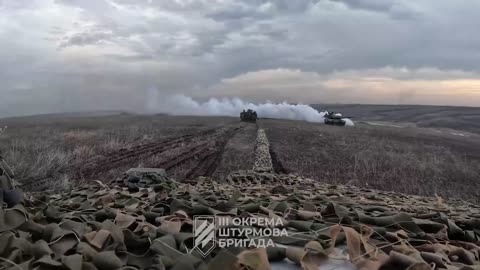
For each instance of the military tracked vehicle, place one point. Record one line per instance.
(334, 119)
(248, 116)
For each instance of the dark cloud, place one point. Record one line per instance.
(260, 9)
(92, 49)
(128, 58)
(237, 13)
(86, 38)
(383, 6)
(92, 6)
(174, 6)
(394, 8)
(292, 6)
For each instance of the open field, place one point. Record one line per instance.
(60, 150)
(460, 118)
(410, 160)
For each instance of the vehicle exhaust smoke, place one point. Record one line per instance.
(184, 105)
(348, 122)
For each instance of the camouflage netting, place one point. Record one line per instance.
(143, 220)
(242, 177)
(263, 161)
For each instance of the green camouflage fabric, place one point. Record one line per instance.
(263, 160)
(121, 227)
(143, 220)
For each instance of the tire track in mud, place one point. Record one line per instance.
(132, 155)
(120, 155)
(183, 156)
(205, 167)
(79, 172)
(277, 164)
(209, 161)
(124, 156)
(207, 153)
(238, 153)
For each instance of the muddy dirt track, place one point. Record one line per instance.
(203, 151)
(238, 152)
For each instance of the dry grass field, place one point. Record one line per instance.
(409, 160)
(66, 148)
(58, 150)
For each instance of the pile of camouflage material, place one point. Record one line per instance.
(144, 220)
(249, 176)
(263, 160)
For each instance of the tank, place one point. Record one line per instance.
(334, 119)
(248, 116)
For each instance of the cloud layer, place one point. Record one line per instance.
(60, 55)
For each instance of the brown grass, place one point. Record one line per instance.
(413, 161)
(48, 145)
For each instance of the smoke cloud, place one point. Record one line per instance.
(184, 105)
(348, 122)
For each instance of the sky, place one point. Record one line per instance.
(80, 55)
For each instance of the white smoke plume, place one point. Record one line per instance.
(348, 122)
(184, 105)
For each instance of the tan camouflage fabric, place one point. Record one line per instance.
(144, 221)
(263, 160)
(149, 227)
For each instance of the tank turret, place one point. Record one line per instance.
(335, 119)
(248, 116)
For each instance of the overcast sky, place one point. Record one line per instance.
(72, 55)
